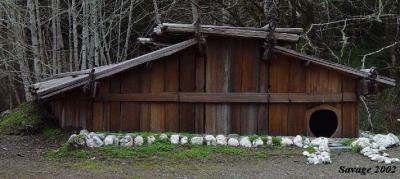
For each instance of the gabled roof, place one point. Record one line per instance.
(67, 81)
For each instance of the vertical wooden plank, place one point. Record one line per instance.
(157, 114)
(236, 83)
(262, 123)
(297, 124)
(98, 116)
(279, 83)
(76, 109)
(130, 111)
(200, 87)
(115, 107)
(104, 89)
(349, 110)
(63, 117)
(172, 85)
(250, 72)
(145, 107)
(187, 83)
(217, 80)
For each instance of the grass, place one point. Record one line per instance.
(253, 138)
(347, 142)
(276, 140)
(23, 119)
(51, 133)
(356, 149)
(310, 149)
(159, 149)
(67, 151)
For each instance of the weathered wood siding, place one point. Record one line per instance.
(144, 98)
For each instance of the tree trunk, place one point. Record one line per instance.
(75, 35)
(85, 35)
(18, 38)
(34, 38)
(128, 31)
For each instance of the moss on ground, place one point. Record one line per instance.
(356, 149)
(24, 119)
(347, 142)
(161, 150)
(276, 140)
(310, 149)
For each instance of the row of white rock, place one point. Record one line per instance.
(94, 140)
(373, 147)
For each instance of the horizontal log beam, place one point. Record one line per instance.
(189, 28)
(196, 97)
(224, 31)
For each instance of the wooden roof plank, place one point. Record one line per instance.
(332, 65)
(49, 88)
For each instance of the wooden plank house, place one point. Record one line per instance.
(224, 87)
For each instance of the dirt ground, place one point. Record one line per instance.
(21, 157)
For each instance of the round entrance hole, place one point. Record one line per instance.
(323, 123)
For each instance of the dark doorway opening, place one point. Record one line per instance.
(323, 123)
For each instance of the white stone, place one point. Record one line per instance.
(138, 141)
(210, 140)
(184, 140)
(101, 135)
(306, 141)
(306, 153)
(245, 142)
(317, 141)
(375, 145)
(269, 140)
(93, 140)
(111, 140)
(385, 154)
(298, 141)
(361, 142)
(150, 139)
(174, 139)
(233, 142)
(84, 132)
(395, 138)
(221, 140)
(384, 140)
(323, 145)
(126, 141)
(163, 137)
(258, 142)
(196, 140)
(286, 141)
(71, 139)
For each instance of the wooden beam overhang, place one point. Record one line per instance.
(245, 97)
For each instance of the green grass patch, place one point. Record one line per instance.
(67, 151)
(347, 142)
(24, 119)
(276, 140)
(310, 149)
(159, 149)
(253, 138)
(356, 149)
(52, 133)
